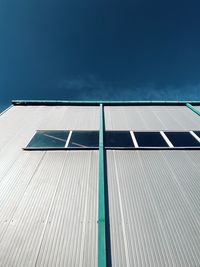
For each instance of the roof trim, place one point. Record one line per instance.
(95, 103)
(5, 110)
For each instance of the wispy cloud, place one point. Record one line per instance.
(91, 88)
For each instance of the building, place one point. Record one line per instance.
(100, 184)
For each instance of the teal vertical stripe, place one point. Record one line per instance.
(101, 196)
(197, 111)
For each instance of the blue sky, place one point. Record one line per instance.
(99, 49)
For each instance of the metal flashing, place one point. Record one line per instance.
(77, 102)
(58, 149)
(5, 110)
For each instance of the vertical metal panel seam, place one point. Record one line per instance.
(101, 196)
(195, 110)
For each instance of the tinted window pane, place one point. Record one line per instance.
(49, 139)
(182, 139)
(150, 139)
(84, 139)
(118, 139)
(197, 133)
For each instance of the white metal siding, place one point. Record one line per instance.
(154, 208)
(19, 124)
(72, 118)
(19, 118)
(48, 211)
(48, 200)
(149, 118)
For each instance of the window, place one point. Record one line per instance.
(118, 139)
(197, 133)
(182, 139)
(52, 139)
(150, 139)
(64, 139)
(49, 139)
(84, 139)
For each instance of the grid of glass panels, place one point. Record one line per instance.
(64, 139)
(114, 140)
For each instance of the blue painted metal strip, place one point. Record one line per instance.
(101, 196)
(197, 111)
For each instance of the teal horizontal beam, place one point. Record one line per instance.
(66, 102)
(102, 262)
(195, 110)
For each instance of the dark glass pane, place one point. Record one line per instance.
(84, 139)
(49, 139)
(182, 139)
(150, 139)
(197, 133)
(118, 139)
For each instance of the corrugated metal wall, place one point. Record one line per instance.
(48, 199)
(149, 118)
(154, 206)
(48, 210)
(19, 124)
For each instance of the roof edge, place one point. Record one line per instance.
(5, 110)
(77, 102)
